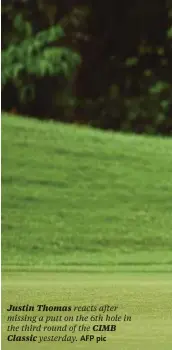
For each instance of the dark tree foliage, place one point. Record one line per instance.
(123, 79)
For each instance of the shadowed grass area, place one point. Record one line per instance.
(81, 197)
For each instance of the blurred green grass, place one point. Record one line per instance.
(79, 197)
(146, 298)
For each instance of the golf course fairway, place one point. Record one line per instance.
(86, 220)
(145, 297)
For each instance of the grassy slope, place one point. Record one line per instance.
(73, 196)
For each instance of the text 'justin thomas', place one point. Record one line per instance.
(38, 308)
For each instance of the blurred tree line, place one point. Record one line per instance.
(106, 64)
